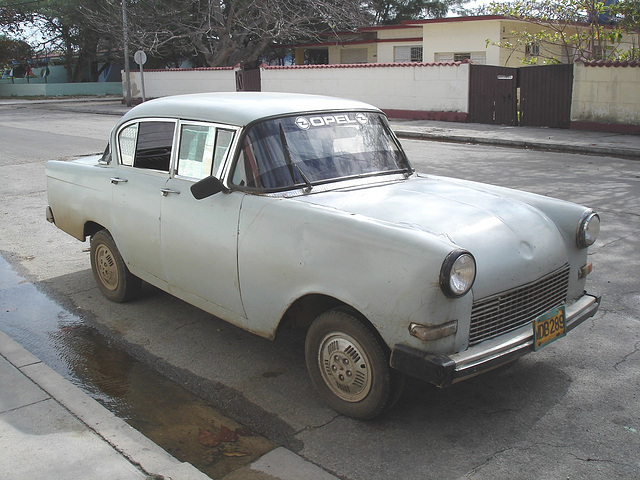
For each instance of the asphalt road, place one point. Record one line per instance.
(570, 411)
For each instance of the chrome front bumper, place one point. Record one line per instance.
(444, 370)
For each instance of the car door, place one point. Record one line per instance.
(199, 237)
(144, 158)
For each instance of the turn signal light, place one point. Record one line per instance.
(585, 270)
(433, 332)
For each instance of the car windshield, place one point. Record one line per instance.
(305, 150)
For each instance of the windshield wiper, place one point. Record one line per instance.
(292, 166)
(304, 177)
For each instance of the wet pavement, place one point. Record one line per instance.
(175, 419)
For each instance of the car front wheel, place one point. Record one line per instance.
(111, 274)
(349, 365)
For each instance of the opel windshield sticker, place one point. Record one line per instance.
(302, 123)
(305, 123)
(361, 118)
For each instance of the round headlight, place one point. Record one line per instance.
(457, 273)
(588, 229)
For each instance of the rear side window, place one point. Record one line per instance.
(153, 148)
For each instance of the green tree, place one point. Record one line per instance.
(61, 28)
(11, 49)
(13, 16)
(65, 29)
(627, 15)
(388, 12)
(567, 30)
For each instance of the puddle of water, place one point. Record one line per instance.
(180, 422)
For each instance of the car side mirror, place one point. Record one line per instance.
(207, 187)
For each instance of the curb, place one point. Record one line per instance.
(137, 449)
(127, 441)
(630, 154)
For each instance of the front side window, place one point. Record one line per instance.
(303, 150)
(196, 151)
(203, 149)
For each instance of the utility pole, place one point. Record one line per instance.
(127, 76)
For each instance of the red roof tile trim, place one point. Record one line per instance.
(609, 63)
(366, 65)
(187, 69)
(478, 18)
(357, 42)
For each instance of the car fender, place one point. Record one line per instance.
(389, 273)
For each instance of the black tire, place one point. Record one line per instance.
(111, 274)
(349, 365)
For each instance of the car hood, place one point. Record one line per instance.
(513, 243)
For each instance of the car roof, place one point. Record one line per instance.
(240, 108)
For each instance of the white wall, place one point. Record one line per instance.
(601, 94)
(403, 88)
(462, 37)
(160, 83)
(606, 94)
(407, 87)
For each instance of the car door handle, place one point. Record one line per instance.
(167, 191)
(116, 180)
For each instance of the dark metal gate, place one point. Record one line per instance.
(545, 95)
(493, 95)
(248, 80)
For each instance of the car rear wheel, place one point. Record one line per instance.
(349, 365)
(111, 274)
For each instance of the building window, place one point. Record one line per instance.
(407, 54)
(316, 56)
(598, 52)
(354, 55)
(461, 57)
(479, 58)
(533, 49)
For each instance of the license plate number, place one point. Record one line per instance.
(549, 327)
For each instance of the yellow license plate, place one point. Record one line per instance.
(549, 327)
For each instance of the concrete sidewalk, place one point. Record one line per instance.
(538, 138)
(51, 430)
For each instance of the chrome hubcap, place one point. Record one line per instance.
(106, 267)
(345, 367)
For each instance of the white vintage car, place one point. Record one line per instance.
(272, 210)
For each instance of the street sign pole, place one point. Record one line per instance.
(140, 58)
(127, 77)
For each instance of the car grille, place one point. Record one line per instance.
(507, 311)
